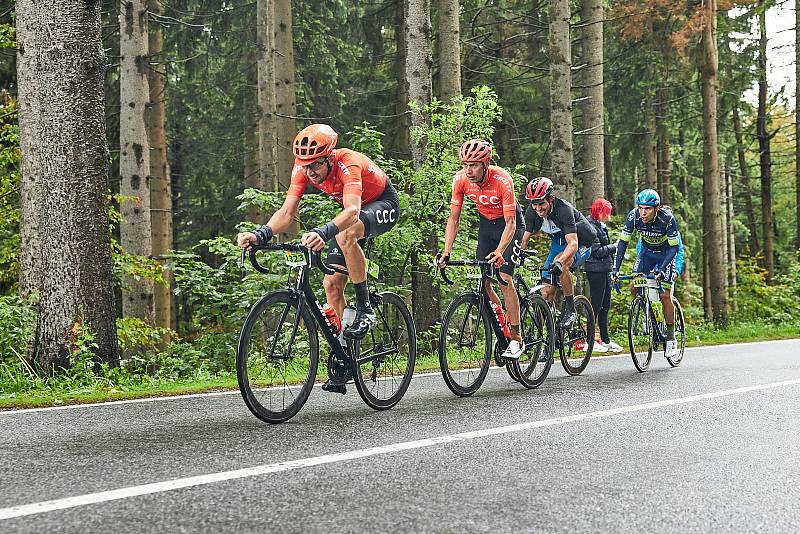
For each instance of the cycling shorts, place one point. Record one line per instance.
(557, 246)
(648, 261)
(379, 216)
(489, 233)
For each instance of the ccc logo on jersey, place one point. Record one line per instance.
(386, 216)
(485, 200)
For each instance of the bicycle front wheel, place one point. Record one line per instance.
(680, 334)
(577, 341)
(640, 336)
(538, 333)
(386, 356)
(465, 345)
(277, 357)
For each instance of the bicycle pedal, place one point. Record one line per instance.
(335, 388)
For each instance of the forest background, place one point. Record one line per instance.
(203, 99)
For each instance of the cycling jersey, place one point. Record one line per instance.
(659, 237)
(490, 232)
(563, 219)
(678, 257)
(494, 197)
(352, 173)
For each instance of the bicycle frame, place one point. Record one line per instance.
(305, 295)
(654, 289)
(479, 289)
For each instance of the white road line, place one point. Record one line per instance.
(596, 358)
(211, 478)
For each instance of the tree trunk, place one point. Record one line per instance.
(650, 158)
(712, 241)
(765, 159)
(267, 124)
(65, 251)
(402, 138)
(797, 121)
(561, 99)
(664, 160)
(608, 172)
(708, 310)
(449, 50)
(744, 171)
(417, 27)
(683, 179)
(285, 99)
(418, 66)
(160, 183)
(252, 176)
(731, 238)
(134, 158)
(593, 157)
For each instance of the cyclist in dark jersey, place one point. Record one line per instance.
(659, 232)
(571, 240)
(499, 229)
(370, 207)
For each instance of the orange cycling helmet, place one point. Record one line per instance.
(475, 150)
(314, 141)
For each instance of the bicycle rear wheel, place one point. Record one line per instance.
(465, 345)
(386, 356)
(640, 336)
(538, 333)
(680, 334)
(577, 341)
(277, 357)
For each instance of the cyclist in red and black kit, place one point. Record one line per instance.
(500, 228)
(370, 207)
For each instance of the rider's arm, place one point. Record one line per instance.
(533, 223)
(571, 248)
(624, 238)
(508, 233)
(282, 219)
(452, 229)
(526, 236)
(672, 240)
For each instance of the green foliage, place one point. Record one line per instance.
(9, 192)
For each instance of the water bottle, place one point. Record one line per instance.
(502, 318)
(332, 317)
(348, 316)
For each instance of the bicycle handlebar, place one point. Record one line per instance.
(639, 275)
(292, 246)
(492, 270)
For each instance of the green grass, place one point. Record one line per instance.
(697, 335)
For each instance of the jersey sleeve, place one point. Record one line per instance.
(509, 198)
(672, 232)
(349, 168)
(298, 184)
(566, 218)
(457, 196)
(629, 227)
(533, 223)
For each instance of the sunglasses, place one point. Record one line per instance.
(314, 165)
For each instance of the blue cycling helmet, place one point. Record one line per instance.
(648, 197)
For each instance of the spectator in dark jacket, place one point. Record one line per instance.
(597, 268)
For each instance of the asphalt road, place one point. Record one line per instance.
(711, 446)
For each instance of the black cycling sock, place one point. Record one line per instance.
(670, 331)
(362, 295)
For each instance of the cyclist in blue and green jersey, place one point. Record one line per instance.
(659, 232)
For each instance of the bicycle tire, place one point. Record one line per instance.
(580, 330)
(396, 326)
(468, 375)
(639, 327)
(264, 389)
(680, 334)
(538, 331)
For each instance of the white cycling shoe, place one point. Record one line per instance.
(672, 348)
(514, 350)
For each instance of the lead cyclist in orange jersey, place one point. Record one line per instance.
(370, 207)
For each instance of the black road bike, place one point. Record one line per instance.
(576, 342)
(465, 338)
(278, 351)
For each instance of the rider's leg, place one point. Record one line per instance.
(334, 285)
(490, 292)
(512, 305)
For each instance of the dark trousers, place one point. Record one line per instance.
(600, 291)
